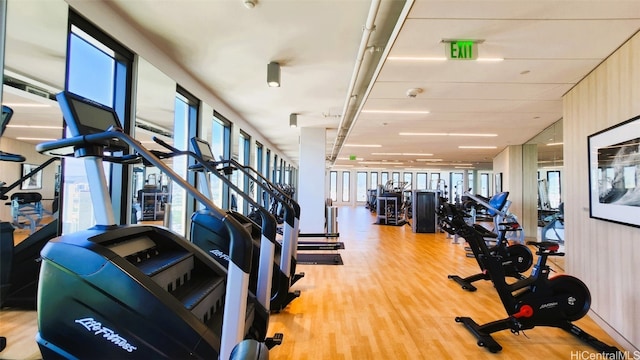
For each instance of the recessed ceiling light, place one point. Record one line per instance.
(445, 134)
(477, 147)
(35, 127)
(396, 111)
(362, 145)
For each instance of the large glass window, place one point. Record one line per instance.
(276, 173)
(185, 118)
(434, 182)
(267, 163)
(484, 184)
(407, 178)
(346, 180)
(221, 147)
(421, 181)
(457, 184)
(333, 185)
(384, 178)
(244, 158)
(98, 68)
(553, 190)
(374, 180)
(395, 176)
(361, 186)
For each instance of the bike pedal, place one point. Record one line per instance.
(274, 341)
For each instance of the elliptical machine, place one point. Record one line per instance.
(138, 291)
(535, 301)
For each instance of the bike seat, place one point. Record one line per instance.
(545, 245)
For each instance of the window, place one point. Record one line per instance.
(333, 185)
(220, 135)
(244, 158)
(98, 68)
(456, 189)
(553, 190)
(345, 185)
(421, 181)
(484, 185)
(361, 186)
(267, 170)
(185, 118)
(384, 178)
(259, 158)
(275, 178)
(395, 176)
(407, 179)
(434, 182)
(374, 180)
(221, 147)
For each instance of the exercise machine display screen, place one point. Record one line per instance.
(203, 149)
(84, 116)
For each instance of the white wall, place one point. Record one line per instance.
(604, 255)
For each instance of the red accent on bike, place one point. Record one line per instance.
(524, 312)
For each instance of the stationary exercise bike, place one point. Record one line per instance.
(535, 301)
(516, 258)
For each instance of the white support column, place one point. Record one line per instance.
(311, 185)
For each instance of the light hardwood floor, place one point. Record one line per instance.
(390, 300)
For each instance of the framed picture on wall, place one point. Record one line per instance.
(33, 182)
(614, 173)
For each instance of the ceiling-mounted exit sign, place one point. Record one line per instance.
(461, 49)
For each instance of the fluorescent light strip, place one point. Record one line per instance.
(380, 163)
(439, 58)
(446, 134)
(417, 58)
(395, 111)
(362, 145)
(555, 144)
(35, 139)
(477, 147)
(34, 127)
(347, 159)
(401, 154)
(26, 105)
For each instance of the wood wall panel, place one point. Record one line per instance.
(603, 254)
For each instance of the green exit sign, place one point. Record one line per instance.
(462, 49)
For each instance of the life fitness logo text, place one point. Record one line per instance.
(92, 325)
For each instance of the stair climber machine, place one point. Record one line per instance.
(20, 264)
(516, 258)
(291, 224)
(211, 237)
(535, 301)
(139, 291)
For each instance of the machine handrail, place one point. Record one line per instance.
(269, 222)
(240, 247)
